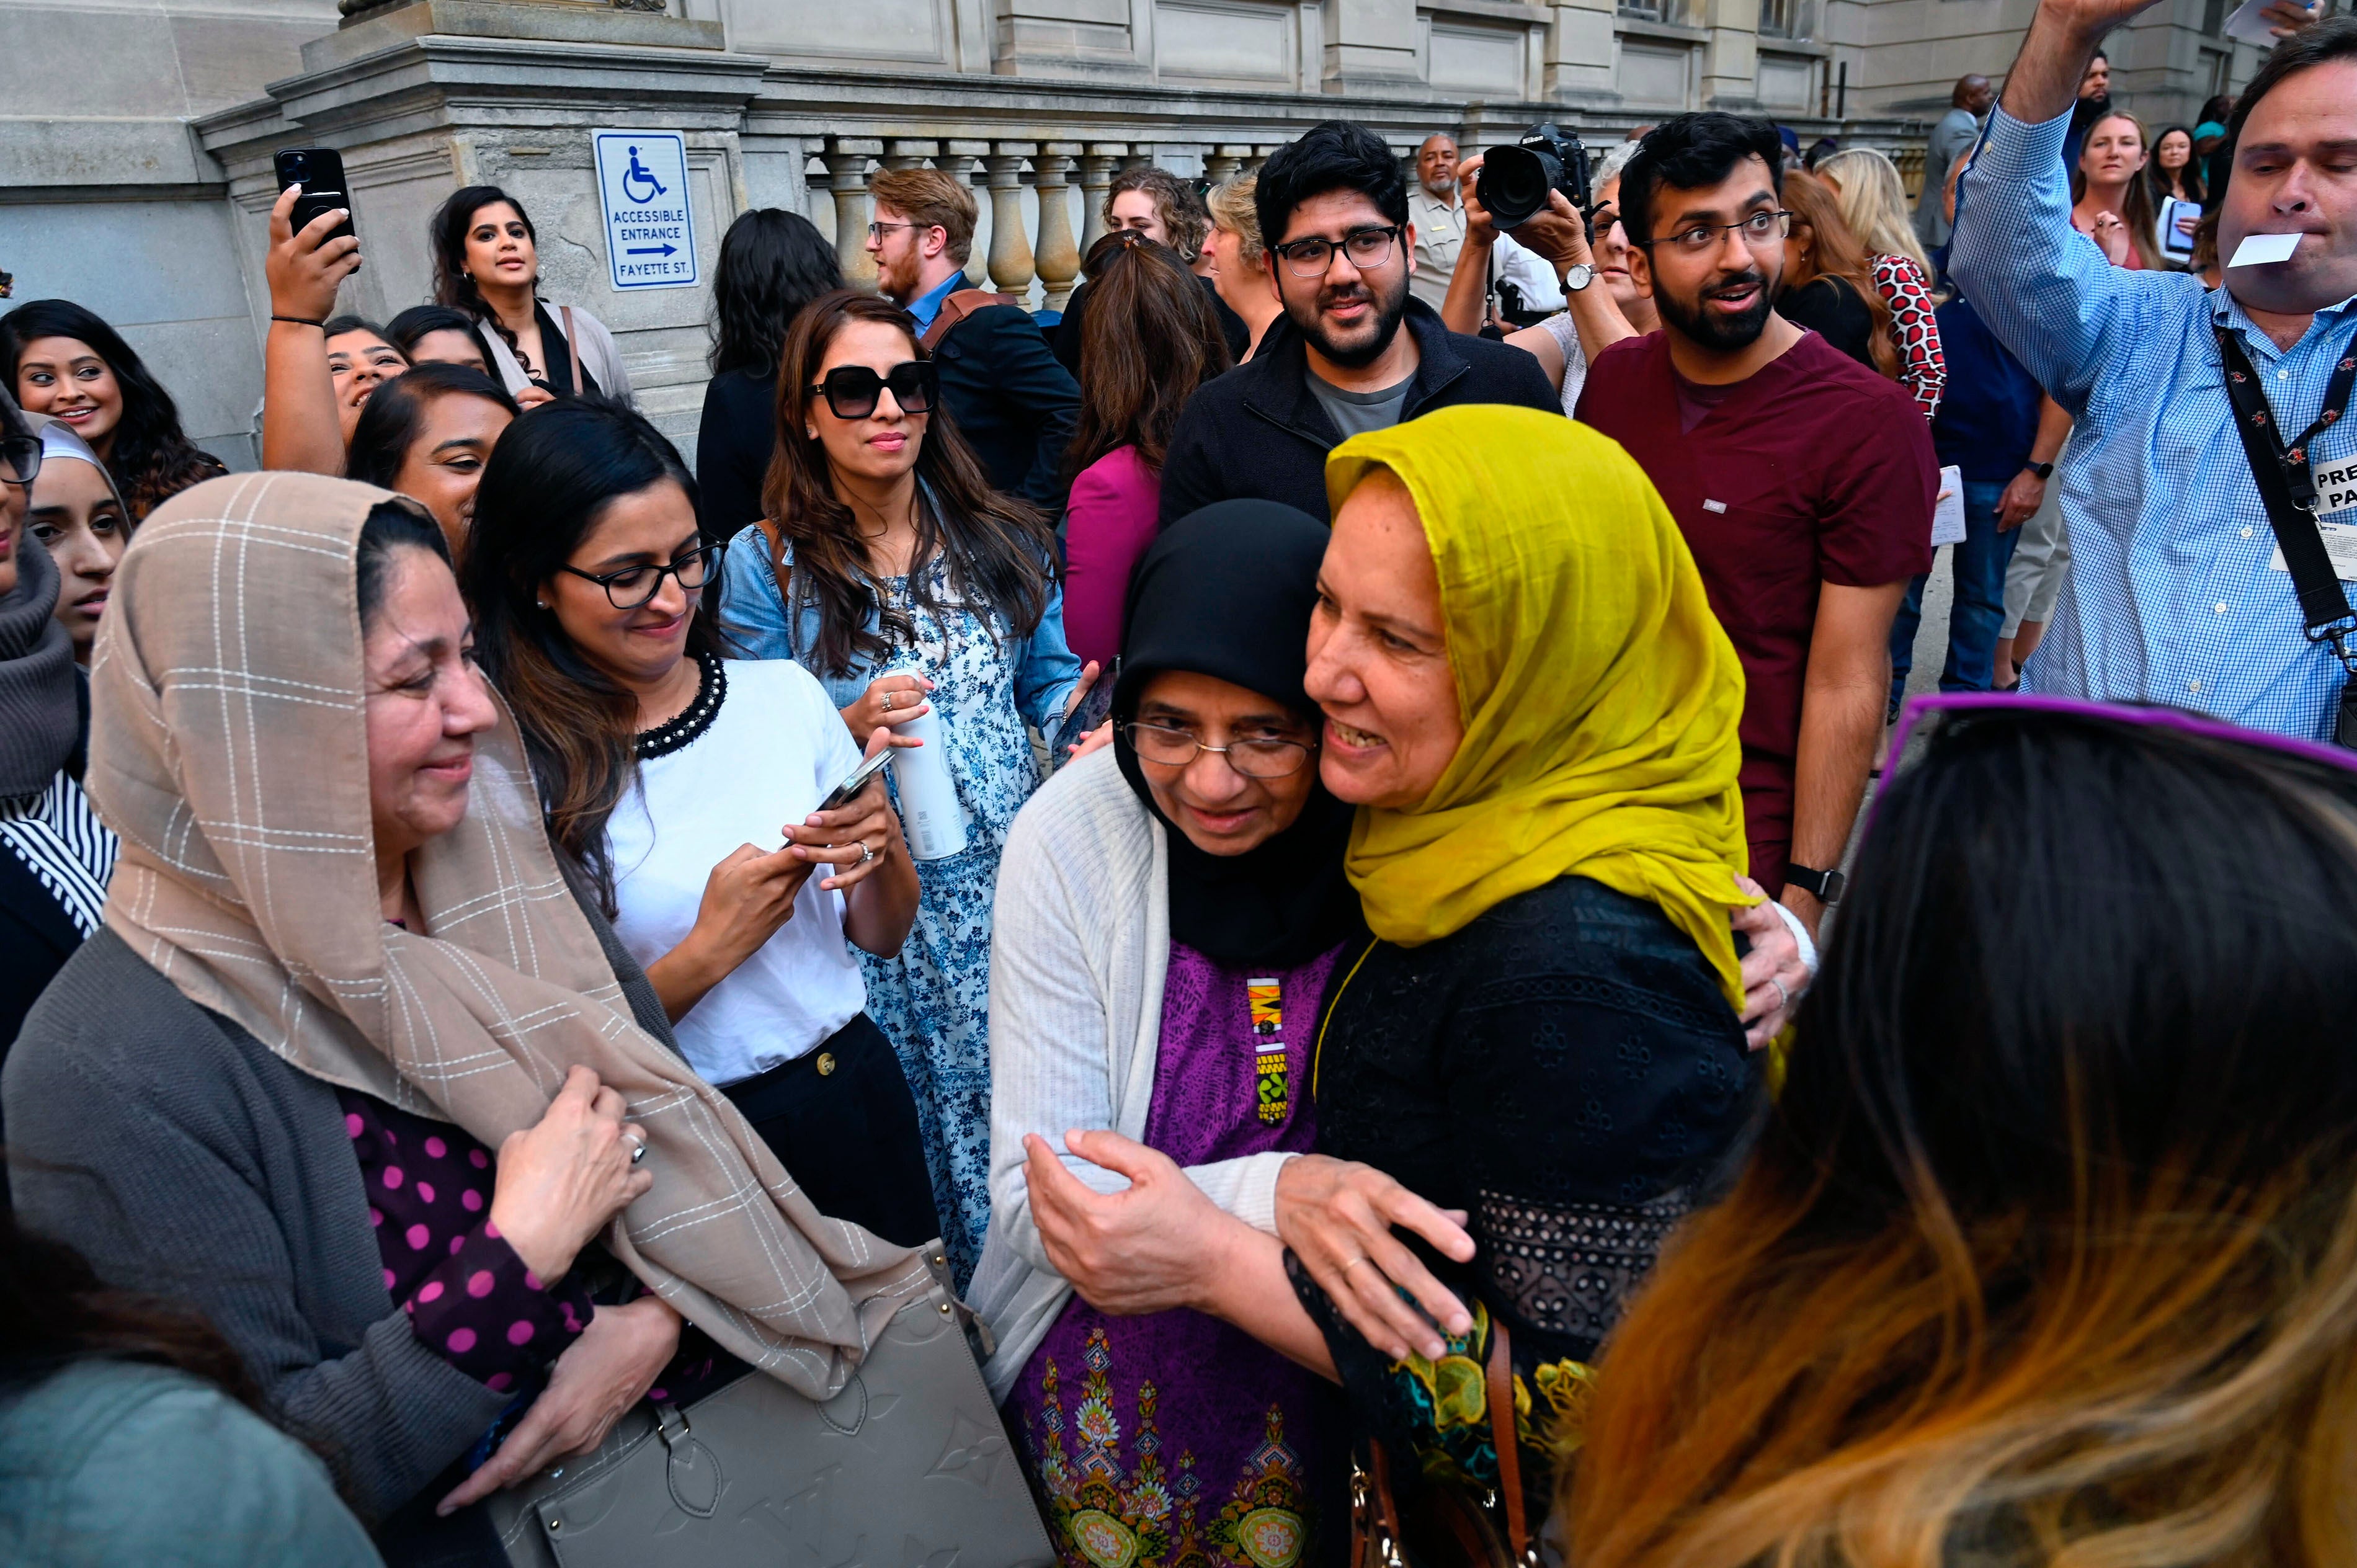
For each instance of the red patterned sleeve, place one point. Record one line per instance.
(1922, 367)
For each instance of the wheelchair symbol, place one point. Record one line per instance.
(636, 175)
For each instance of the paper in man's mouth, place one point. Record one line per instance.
(2259, 250)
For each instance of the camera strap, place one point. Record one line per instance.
(2285, 476)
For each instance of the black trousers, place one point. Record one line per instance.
(842, 1121)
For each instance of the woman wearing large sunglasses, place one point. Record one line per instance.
(685, 787)
(887, 565)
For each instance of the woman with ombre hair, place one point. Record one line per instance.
(2048, 1254)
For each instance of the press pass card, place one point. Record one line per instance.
(2336, 493)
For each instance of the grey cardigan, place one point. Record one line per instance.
(181, 1156)
(1080, 945)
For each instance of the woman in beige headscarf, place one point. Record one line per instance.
(349, 1066)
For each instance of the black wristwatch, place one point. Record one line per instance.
(2043, 470)
(1826, 885)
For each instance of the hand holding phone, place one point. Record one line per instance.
(320, 172)
(845, 850)
(855, 781)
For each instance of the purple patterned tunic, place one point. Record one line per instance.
(1173, 1440)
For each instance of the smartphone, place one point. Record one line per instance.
(846, 793)
(320, 172)
(1093, 710)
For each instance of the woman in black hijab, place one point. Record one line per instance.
(1168, 919)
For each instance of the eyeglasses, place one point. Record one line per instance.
(878, 230)
(1759, 229)
(634, 586)
(1258, 758)
(20, 458)
(852, 390)
(1367, 248)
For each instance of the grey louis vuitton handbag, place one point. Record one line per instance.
(908, 1467)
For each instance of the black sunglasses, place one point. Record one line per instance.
(851, 390)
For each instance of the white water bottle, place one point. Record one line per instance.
(929, 814)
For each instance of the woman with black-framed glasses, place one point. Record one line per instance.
(890, 568)
(687, 789)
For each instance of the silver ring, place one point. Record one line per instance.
(639, 1152)
(866, 855)
(887, 700)
(1783, 997)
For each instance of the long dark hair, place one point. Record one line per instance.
(2190, 174)
(1000, 552)
(772, 262)
(1148, 339)
(55, 1312)
(394, 416)
(447, 230)
(151, 457)
(2049, 1249)
(549, 478)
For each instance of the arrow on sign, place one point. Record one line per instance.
(652, 251)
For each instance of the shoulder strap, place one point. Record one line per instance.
(960, 305)
(2323, 603)
(1500, 1374)
(572, 349)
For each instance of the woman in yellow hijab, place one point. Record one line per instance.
(1529, 700)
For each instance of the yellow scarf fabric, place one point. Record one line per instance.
(1598, 693)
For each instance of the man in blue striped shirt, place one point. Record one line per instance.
(2174, 595)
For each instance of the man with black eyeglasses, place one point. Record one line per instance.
(1802, 481)
(1333, 211)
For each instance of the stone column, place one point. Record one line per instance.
(846, 181)
(1010, 248)
(958, 160)
(1059, 259)
(1096, 178)
(901, 153)
(1223, 160)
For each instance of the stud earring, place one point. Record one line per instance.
(811, 432)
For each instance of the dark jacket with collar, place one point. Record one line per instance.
(1258, 432)
(1013, 402)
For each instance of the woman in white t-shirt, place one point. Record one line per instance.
(686, 786)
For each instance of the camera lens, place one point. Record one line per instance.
(1514, 183)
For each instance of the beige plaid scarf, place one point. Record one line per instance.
(227, 749)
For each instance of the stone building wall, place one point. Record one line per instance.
(136, 135)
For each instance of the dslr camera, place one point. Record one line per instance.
(1514, 183)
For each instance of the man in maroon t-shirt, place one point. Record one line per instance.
(1803, 483)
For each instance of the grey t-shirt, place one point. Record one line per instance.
(1355, 414)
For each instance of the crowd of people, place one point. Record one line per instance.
(1296, 840)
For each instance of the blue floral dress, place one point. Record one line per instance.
(933, 999)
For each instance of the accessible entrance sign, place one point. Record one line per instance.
(642, 186)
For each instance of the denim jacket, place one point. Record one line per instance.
(753, 615)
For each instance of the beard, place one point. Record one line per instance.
(2085, 112)
(1363, 345)
(1711, 329)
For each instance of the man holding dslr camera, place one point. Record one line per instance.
(1354, 353)
(1802, 481)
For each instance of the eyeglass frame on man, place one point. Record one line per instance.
(1783, 231)
(877, 230)
(1393, 234)
(928, 378)
(1308, 749)
(711, 551)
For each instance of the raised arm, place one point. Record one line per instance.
(2045, 290)
(299, 428)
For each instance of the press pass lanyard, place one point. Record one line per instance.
(2287, 479)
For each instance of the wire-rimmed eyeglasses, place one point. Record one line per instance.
(1758, 231)
(634, 586)
(1258, 756)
